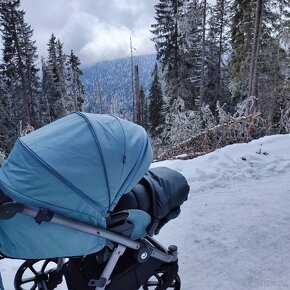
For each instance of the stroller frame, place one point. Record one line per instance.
(146, 247)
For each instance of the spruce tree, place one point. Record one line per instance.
(281, 100)
(167, 44)
(258, 54)
(241, 42)
(8, 130)
(217, 49)
(18, 69)
(74, 86)
(144, 109)
(272, 58)
(155, 115)
(54, 79)
(45, 89)
(190, 27)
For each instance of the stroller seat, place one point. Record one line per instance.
(160, 193)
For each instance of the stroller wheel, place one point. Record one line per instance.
(38, 275)
(160, 281)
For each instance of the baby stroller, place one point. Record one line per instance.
(77, 198)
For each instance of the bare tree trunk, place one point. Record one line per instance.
(176, 89)
(137, 91)
(255, 53)
(100, 97)
(221, 28)
(99, 91)
(202, 74)
(132, 79)
(277, 64)
(26, 112)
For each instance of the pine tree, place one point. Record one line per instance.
(54, 78)
(8, 130)
(74, 86)
(156, 119)
(281, 103)
(45, 89)
(260, 72)
(255, 49)
(167, 43)
(190, 27)
(144, 109)
(241, 42)
(273, 58)
(217, 49)
(202, 75)
(18, 69)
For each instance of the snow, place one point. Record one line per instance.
(233, 232)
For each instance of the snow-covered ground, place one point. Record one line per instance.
(234, 230)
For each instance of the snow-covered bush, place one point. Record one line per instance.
(180, 123)
(245, 108)
(218, 131)
(284, 123)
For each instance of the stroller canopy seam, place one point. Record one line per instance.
(100, 151)
(125, 144)
(60, 177)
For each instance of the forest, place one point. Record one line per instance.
(32, 95)
(222, 75)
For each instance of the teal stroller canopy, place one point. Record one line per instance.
(78, 166)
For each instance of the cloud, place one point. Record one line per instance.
(95, 29)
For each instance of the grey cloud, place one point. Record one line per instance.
(94, 29)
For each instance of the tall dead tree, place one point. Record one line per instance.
(132, 79)
(98, 91)
(255, 53)
(221, 44)
(138, 99)
(202, 75)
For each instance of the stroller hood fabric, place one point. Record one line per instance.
(78, 166)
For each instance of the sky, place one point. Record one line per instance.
(95, 29)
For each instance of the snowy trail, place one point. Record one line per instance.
(231, 237)
(233, 232)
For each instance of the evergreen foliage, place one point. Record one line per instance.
(19, 72)
(244, 59)
(26, 102)
(74, 86)
(210, 58)
(190, 27)
(144, 109)
(156, 118)
(167, 42)
(258, 69)
(217, 51)
(54, 78)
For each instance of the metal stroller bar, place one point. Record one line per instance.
(167, 257)
(76, 225)
(104, 280)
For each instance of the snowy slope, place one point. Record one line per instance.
(113, 80)
(233, 232)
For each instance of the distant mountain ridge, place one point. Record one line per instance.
(108, 84)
